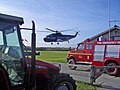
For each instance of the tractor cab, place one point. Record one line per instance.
(11, 56)
(21, 72)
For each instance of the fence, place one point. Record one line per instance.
(97, 71)
(94, 72)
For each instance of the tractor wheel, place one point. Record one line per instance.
(72, 61)
(62, 81)
(113, 71)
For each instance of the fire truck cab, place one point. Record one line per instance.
(97, 53)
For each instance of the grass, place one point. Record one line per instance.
(60, 56)
(53, 56)
(84, 86)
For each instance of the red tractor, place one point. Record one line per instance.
(17, 70)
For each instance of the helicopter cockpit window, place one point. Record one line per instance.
(10, 53)
(48, 37)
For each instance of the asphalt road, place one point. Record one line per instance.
(82, 73)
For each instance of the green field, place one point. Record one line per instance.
(60, 56)
(53, 56)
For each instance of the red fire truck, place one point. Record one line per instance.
(98, 53)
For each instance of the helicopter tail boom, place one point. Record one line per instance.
(75, 35)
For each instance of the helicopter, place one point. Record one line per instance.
(57, 36)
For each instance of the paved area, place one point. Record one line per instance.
(82, 73)
(108, 82)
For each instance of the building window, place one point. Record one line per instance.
(117, 38)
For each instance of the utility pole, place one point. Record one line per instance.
(109, 19)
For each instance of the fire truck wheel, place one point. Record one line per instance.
(62, 81)
(72, 61)
(113, 71)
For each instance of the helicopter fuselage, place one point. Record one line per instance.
(58, 37)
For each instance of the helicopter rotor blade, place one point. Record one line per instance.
(43, 31)
(66, 30)
(59, 31)
(51, 30)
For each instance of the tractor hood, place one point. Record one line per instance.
(45, 68)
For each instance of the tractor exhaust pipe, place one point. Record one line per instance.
(33, 58)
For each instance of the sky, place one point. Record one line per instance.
(90, 17)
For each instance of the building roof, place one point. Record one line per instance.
(103, 33)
